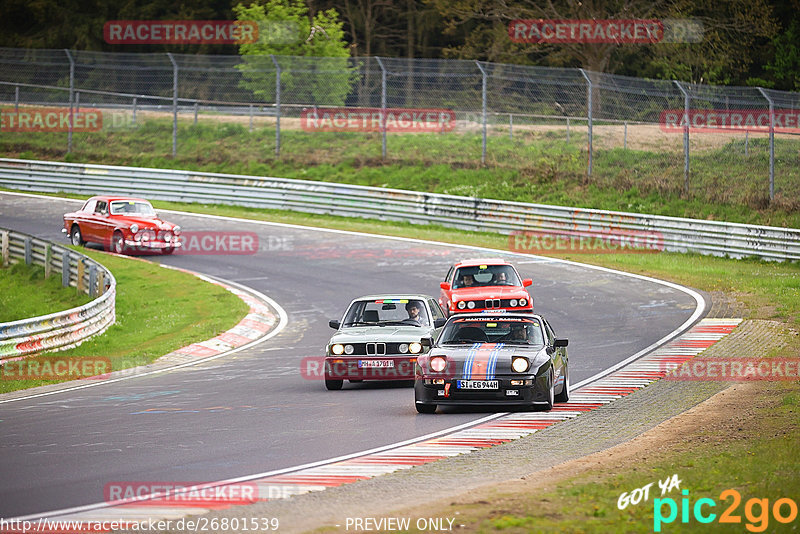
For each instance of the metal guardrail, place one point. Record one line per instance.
(64, 329)
(466, 213)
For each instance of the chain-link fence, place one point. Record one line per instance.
(700, 138)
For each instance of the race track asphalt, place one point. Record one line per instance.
(253, 412)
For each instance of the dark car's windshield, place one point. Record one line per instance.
(387, 312)
(131, 207)
(511, 330)
(485, 275)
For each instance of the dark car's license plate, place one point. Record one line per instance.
(477, 384)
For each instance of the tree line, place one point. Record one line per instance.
(744, 42)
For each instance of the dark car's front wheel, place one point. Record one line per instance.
(564, 395)
(551, 398)
(334, 385)
(425, 408)
(75, 236)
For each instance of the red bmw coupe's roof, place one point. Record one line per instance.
(482, 261)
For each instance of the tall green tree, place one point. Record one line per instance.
(287, 29)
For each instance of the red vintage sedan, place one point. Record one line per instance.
(121, 224)
(484, 285)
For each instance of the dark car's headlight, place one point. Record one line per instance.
(438, 364)
(519, 364)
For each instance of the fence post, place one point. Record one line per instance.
(195, 112)
(383, 107)
(567, 129)
(4, 248)
(746, 141)
(77, 101)
(48, 259)
(510, 126)
(71, 96)
(483, 98)
(16, 99)
(277, 106)
(174, 105)
(80, 285)
(771, 144)
(134, 111)
(93, 280)
(250, 111)
(589, 117)
(685, 136)
(65, 269)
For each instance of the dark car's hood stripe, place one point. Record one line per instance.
(481, 361)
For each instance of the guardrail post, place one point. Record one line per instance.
(383, 107)
(71, 94)
(81, 285)
(93, 280)
(625, 138)
(28, 250)
(195, 113)
(4, 248)
(65, 269)
(134, 111)
(48, 260)
(277, 106)
(567, 129)
(101, 282)
(483, 99)
(771, 144)
(685, 136)
(589, 118)
(174, 105)
(510, 126)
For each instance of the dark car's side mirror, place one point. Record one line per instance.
(438, 323)
(445, 286)
(527, 282)
(561, 342)
(335, 324)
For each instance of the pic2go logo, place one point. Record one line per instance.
(756, 511)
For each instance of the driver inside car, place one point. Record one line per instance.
(414, 314)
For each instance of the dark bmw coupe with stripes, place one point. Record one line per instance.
(493, 359)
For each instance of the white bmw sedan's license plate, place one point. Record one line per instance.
(380, 364)
(478, 384)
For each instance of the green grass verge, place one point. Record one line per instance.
(725, 184)
(760, 463)
(25, 292)
(158, 311)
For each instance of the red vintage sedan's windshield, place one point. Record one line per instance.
(130, 207)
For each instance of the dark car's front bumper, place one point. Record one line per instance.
(535, 391)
